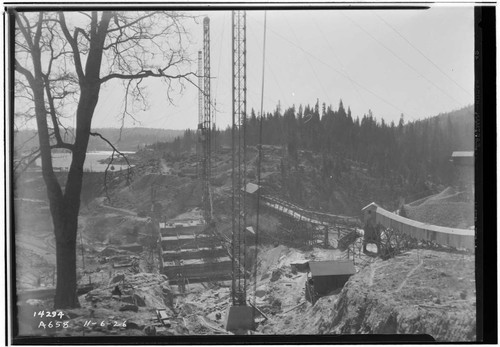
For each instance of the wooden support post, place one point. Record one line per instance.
(258, 310)
(326, 236)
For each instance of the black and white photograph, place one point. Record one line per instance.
(220, 171)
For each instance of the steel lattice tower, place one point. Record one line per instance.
(199, 153)
(200, 87)
(206, 124)
(238, 156)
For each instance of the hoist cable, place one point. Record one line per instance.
(259, 161)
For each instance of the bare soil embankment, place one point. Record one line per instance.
(419, 292)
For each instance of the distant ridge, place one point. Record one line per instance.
(130, 140)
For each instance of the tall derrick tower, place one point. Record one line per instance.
(205, 124)
(239, 315)
(199, 153)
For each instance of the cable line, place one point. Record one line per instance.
(341, 64)
(401, 59)
(339, 72)
(421, 53)
(308, 61)
(283, 95)
(259, 160)
(220, 54)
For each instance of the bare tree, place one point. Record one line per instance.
(62, 59)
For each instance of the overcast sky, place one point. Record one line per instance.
(416, 62)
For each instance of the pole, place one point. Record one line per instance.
(83, 255)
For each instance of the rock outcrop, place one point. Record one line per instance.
(419, 292)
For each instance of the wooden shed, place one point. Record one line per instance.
(329, 275)
(463, 161)
(463, 158)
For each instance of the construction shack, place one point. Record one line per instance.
(327, 276)
(463, 162)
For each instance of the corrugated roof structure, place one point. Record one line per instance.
(331, 268)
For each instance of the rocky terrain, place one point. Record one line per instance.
(420, 291)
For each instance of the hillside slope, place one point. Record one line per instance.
(419, 292)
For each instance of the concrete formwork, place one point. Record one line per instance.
(173, 230)
(215, 271)
(186, 254)
(186, 242)
(189, 256)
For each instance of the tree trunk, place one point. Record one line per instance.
(66, 270)
(65, 229)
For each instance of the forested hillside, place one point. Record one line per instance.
(409, 153)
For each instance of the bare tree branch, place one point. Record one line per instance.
(24, 162)
(52, 110)
(85, 14)
(38, 34)
(74, 46)
(24, 71)
(111, 161)
(145, 74)
(56, 65)
(132, 23)
(82, 32)
(24, 29)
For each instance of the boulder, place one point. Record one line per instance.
(118, 278)
(260, 293)
(139, 301)
(134, 299)
(264, 276)
(128, 299)
(275, 275)
(133, 325)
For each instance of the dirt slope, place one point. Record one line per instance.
(448, 208)
(421, 291)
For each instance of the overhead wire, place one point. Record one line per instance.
(341, 64)
(401, 59)
(259, 161)
(422, 53)
(220, 53)
(308, 62)
(283, 95)
(337, 71)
